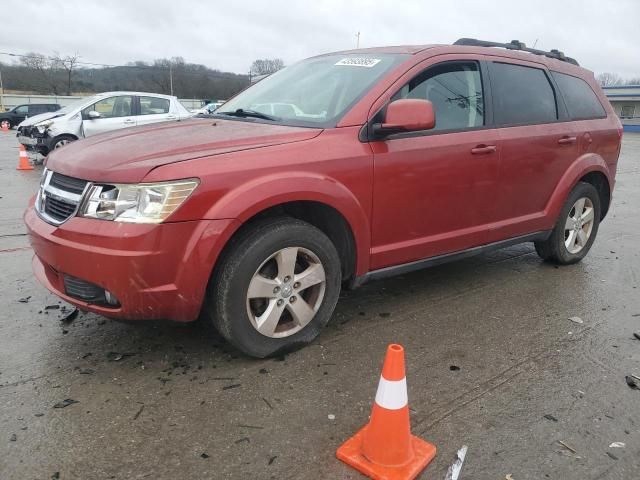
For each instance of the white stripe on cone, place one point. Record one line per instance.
(392, 394)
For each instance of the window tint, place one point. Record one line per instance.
(36, 109)
(580, 99)
(111, 107)
(21, 110)
(454, 89)
(523, 95)
(153, 105)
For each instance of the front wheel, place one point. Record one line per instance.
(576, 229)
(276, 287)
(61, 142)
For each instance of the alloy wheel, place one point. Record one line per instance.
(579, 225)
(286, 292)
(61, 143)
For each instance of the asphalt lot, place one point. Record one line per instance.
(164, 401)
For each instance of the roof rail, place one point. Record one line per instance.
(516, 45)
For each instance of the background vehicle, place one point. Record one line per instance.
(208, 108)
(97, 114)
(406, 157)
(17, 114)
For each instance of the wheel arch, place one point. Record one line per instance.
(318, 200)
(590, 168)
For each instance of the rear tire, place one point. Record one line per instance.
(275, 288)
(576, 228)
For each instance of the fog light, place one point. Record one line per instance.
(111, 298)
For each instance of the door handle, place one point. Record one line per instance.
(128, 121)
(567, 140)
(483, 149)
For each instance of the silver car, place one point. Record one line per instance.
(97, 114)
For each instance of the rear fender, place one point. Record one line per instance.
(587, 163)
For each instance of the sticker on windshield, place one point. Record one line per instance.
(359, 62)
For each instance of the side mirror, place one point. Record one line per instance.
(406, 115)
(93, 115)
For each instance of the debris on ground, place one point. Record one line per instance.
(548, 416)
(385, 314)
(69, 317)
(24, 299)
(272, 459)
(13, 437)
(229, 387)
(637, 335)
(508, 476)
(52, 307)
(456, 467)
(454, 368)
(116, 357)
(204, 455)
(617, 445)
(571, 449)
(611, 455)
(243, 440)
(576, 320)
(631, 381)
(65, 403)
(331, 416)
(135, 417)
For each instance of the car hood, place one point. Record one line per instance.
(128, 155)
(39, 118)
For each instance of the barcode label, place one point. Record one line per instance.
(359, 62)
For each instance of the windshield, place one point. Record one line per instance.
(315, 92)
(81, 102)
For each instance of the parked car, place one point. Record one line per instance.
(97, 114)
(402, 158)
(17, 114)
(207, 109)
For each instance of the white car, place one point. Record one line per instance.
(207, 109)
(97, 114)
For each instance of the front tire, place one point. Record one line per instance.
(276, 287)
(576, 229)
(62, 141)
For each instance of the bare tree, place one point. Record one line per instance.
(607, 79)
(68, 63)
(45, 67)
(633, 81)
(266, 66)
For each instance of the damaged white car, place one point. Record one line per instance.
(97, 114)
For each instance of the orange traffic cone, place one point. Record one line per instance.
(23, 160)
(4, 126)
(384, 449)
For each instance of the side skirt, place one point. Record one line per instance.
(448, 257)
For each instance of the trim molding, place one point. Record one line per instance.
(448, 257)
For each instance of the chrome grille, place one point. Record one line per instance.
(59, 197)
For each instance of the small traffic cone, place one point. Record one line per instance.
(4, 127)
(384, 449)
(23, 160)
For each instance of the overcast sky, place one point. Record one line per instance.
(228, 35)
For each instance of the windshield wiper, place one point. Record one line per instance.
(241, 112)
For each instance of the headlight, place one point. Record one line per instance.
(143, 203)
(42, 126)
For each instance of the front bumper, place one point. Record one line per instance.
(155, 271)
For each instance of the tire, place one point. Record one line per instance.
(566, 245)
(291, 314)
(61, 141)
(7, 122)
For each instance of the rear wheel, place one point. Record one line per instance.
(276, 287)
(5, 123)
(576, 229)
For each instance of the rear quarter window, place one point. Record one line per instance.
(523, 95)
(580, 99)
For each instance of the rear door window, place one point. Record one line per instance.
(153, 105)
(454, 89)
(582, 102)
(523, 95)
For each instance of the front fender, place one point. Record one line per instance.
(587, 163)
(259, 194)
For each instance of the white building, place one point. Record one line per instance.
(625, 100)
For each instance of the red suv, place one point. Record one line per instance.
(336, 170)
